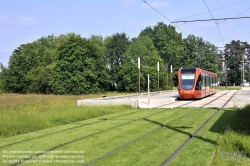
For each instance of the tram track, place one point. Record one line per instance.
(93, 134)
(188, 102)
(146, 134)
(178, 150)
(84, 137)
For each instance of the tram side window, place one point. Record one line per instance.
(203, 80)
(212, 81)
(206, 81)
(209, 81)
(198, 83)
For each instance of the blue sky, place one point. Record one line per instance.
(24, 21)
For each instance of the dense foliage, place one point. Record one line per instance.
(79, 68)
(71, 64)
(142, 47)
(116, 46)
(188, 52)
(236, 57)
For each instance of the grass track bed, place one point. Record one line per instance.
(69, 135)
(152, 149)
(201, 150)
(101, 143)
(201, 147)
(155, 148)
(132, 130)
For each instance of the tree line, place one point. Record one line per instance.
(71, 64)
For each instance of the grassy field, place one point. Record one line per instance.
(59, 133)
(21, 114)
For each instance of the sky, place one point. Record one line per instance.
(24, 21)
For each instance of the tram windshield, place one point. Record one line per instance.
(187, 79)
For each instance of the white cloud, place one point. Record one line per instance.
(156, 5)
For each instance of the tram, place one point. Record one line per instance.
(196, 83)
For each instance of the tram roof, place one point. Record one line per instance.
(195, 68)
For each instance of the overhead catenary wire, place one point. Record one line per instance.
(214, 21)
(211, 10)
(237, 15)
(236, 36)
(186, 21)
(164, 16)
(243, 12)
(236, 18)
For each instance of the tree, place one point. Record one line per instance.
(26, 59)
(3, 71)
(202, 54)
(40, 79)
(116, 46)
(104, 78)
(142, 47)
(79, 68)
(18, 68)
(234, 54)
(169, 45)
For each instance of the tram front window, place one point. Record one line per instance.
(187, 81)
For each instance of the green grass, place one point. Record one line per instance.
(94, 145)
(73, 128)
(22, 114)
(233, 146)
(202, 146)
(233, 149)
(225, 141)
(155, 148)
(240, 121)
(229, 87)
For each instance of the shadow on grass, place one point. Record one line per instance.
(234, 123)
(242, 148)
(240, 120)
(237, 120)
(222, 124)
(190, 135)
